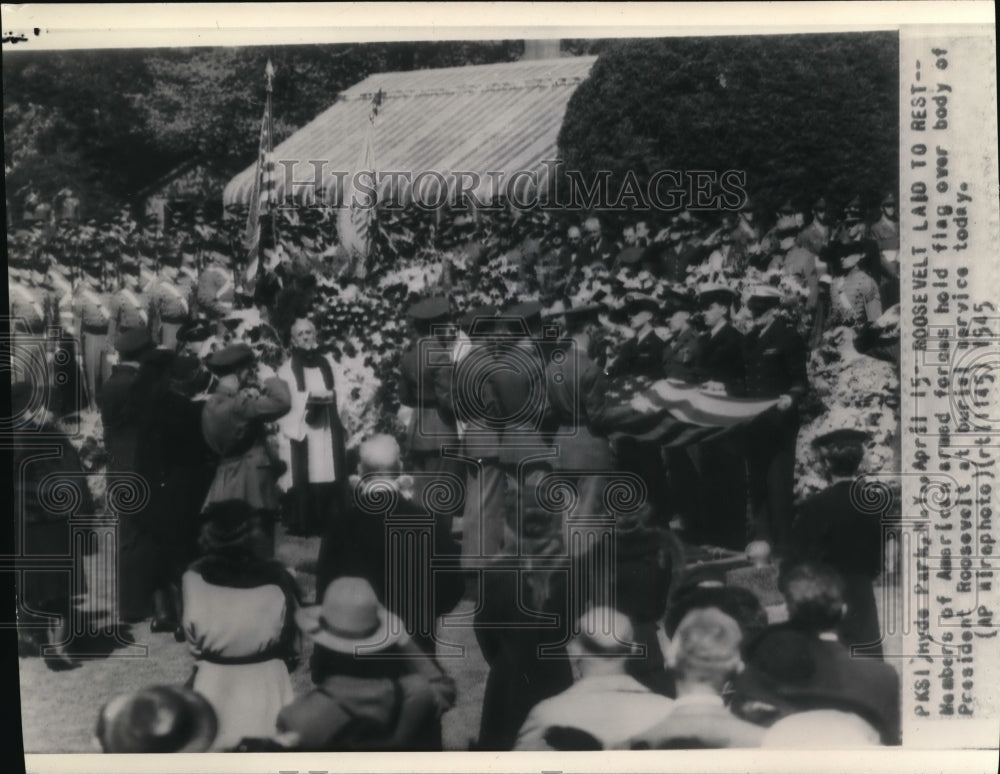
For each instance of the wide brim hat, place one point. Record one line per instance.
(351, 619)
(227, 532)
(230, 359)
(851, 254)
(889, 200)
(158, 719)
(841, 436)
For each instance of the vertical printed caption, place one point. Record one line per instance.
(950, 379)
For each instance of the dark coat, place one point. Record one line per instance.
(45, 533)
(641, 357)
(720, 358)
(120, 418)
(233, 426)
(518, 381)
(432, 425)
(355, 545)
(519, 678)
(789, 670)
(775, 361)
(830, 528)
(681, 355)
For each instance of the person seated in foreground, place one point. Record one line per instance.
(603, 701)
(372, 688)
(801, 665)
(704, 654)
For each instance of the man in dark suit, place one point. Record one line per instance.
(774, 356)
(721, 463)
(830, 528)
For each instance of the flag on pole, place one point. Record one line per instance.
(263, 196)
(356, 215)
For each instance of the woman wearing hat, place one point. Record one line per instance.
(239, 620)
(370, 693)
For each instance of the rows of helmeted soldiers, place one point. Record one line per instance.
(76, 315)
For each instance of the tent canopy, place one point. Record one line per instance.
(497, 119)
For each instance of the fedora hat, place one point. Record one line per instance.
(159, 719)
(351, 617)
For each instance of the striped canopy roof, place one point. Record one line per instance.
(486, 118)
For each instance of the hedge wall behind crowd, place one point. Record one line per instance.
(802, 115)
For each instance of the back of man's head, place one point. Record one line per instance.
(705, 648)
(814, 594)
(604, 641)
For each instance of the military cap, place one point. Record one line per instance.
(430, 310)
(819, 204)
(677, 301)
(133, 341)
(852, 210)
(889, 199)
(765, 294)
(788, 208)
(716, 294)
(230, 359)
(635, 303)
(195, 331)
(839, 437)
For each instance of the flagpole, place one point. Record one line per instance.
(269, 77)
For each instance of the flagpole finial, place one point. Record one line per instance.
(269, 74)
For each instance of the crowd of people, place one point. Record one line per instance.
(501, 401)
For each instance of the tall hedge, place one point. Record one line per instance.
(803, 115)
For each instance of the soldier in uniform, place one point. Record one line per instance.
(721, 463)
(859, 295)
(28, 322)
(816, 236)
(432, 424)
(215, 292)
(885, 232)
(774, 356)
(797, 263)
(169, 301)
(642, 354)
(91, 309)
(787, 218)
(128, 308)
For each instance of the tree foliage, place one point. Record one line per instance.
(109, 123)
(802, 115)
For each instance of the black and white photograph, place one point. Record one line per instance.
(508, 393)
